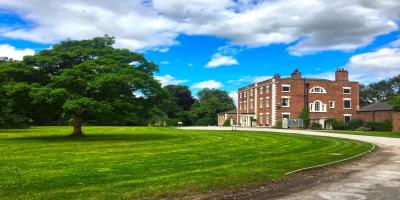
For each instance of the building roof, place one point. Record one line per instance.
(379, 106)
(229, 112)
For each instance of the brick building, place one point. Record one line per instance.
(228, 115)
(380, 112)
(267, 102)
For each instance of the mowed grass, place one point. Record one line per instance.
(369, 133)
(142, 162)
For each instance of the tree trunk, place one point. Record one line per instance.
(77, 126)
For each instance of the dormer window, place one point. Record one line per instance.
(317, 89)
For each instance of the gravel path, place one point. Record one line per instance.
(377, 181)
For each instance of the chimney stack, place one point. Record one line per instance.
(296, 74)
(341, 74)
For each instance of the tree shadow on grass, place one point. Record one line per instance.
(96, 138)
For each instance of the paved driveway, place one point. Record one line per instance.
(379, 181)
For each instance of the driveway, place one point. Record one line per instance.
(376, 181)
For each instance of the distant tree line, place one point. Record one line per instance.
(381, 91)
(90, 82)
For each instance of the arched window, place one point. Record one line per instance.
(317, 106)
(317, 89)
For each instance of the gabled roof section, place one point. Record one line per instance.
(379, 106)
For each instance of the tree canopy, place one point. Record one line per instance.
(87, 80)
(380, 91)
(210, 103)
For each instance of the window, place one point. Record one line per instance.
(261, 120)
(347, 104)
(251, 92)
(244, 94)
(267, 119)
(261, 90)
(267, 89)
(251, 104)
(245, 105)
(285, 88)
(346, 90)
(240, 105)
(285, 115)
(285, 101)
(261, 102)
(331, 104)
(317, 106)
(317, 89)
(267, 102)
(347, 118)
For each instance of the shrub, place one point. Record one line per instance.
(278, 125)
(354, 124)
(205, 121)
(227, 122)
(316, 126)
(380, 126)
(336, 124)
(14, 121)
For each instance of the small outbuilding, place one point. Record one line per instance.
(379, 112)
(227, 115)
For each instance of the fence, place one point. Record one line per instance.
(292, 123)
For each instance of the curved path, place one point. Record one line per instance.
(377, 181)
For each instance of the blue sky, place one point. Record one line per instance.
(220, 44)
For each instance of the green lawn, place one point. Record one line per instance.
(137, 162)
(369, 133)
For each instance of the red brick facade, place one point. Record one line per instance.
(267, 102)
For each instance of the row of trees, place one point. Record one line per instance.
(91, 82)
(381, 91)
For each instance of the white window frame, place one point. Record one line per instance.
(261, 102)
(346, 99)
(267, 102)
(267, 89)
(286, 97)
(261, 116)
(333, 104)
(285, 113)
(346, 88)
(285, 85)
(346, 115)
(251, 103)
(323, 90)
(261, 90)
(322, 106)
(267, 119)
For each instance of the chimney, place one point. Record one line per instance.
(277, 76)
(341, 74)
(296, 74)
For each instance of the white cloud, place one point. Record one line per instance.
(376, 65)
(234, 96)
(169, 80)
(218, 60)
(395, 43)
(212, 84)
(164, 62)
(249, 79)
(16, 54)
(307, 26)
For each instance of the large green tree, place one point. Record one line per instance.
(210, 103)
(176, 105)
(88, 80)
(380, 91)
